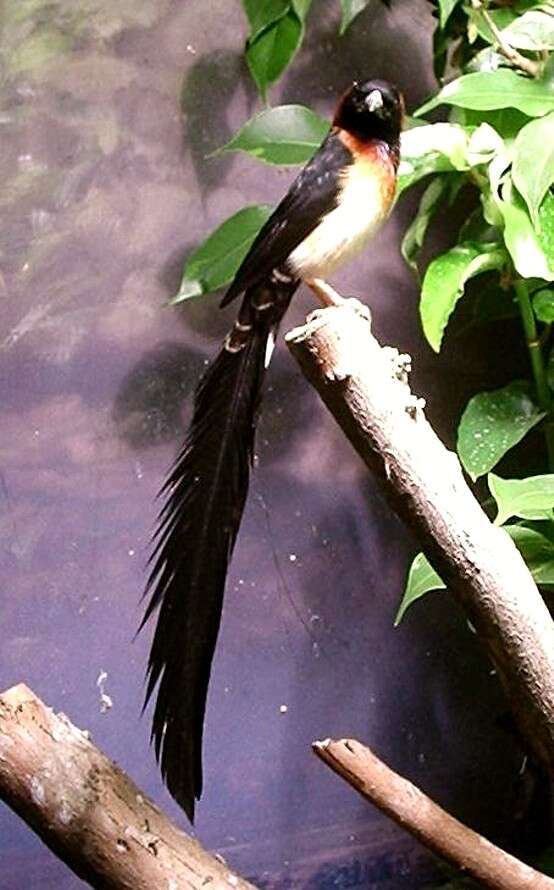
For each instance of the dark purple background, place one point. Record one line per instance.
(107, 115)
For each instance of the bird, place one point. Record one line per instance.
(333, 207)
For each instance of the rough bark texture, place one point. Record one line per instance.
(365, 388)
(423, 818)
(89, 812)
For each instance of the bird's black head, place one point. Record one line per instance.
(371, 110)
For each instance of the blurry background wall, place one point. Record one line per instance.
(107, 115)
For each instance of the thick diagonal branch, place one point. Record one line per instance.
(89, 812)
(364, 386)
(418, 814)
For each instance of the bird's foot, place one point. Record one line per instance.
(324, 292)
(327, 295)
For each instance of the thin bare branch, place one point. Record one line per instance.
(509, 52)
(436, 829)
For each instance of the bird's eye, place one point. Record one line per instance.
(374, 101)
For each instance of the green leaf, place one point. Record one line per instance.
(445, 9)
(483, 145)
(411, 172)
(533, 162)
(506, 121)
(440, 188)
(421, 579)
(350, 9)
(498, 171)
(301, 8)
(450, 140)
(261, 13)
(537, 551)
(534, 30)
(532, 252)
(502, 18)
(491, 209)
(272, 49)
(428, 205)
(287, 134)
(445, 280)
(486, 90)
(546, 229)
(543, 304)
(531, 498)
(215, 263)
(492, 423)
(432, 148)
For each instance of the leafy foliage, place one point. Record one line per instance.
(446, 7)
(501, 97)
(492, 423)
(277, 31)
(499, 141)
(534, 30)
(215, 262)
(533, 162)
(494, 61)
(537, 548)
(488, 90)
(533, 540)
(288, 134)
(431, 149)
(543, 305)
(436, 192)
(531, 498)
(445, 281)
(531, 251)
(422, 578)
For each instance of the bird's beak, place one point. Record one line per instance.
(374, 101)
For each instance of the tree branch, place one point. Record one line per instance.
(89, 812)
(504, 48)
(418, 814)
(365, 388)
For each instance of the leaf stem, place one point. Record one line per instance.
(517, 59)
(537, 364)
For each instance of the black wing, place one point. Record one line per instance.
(313, 193)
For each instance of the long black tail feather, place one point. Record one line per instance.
(198, 525)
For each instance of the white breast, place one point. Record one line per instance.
(345, 230)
